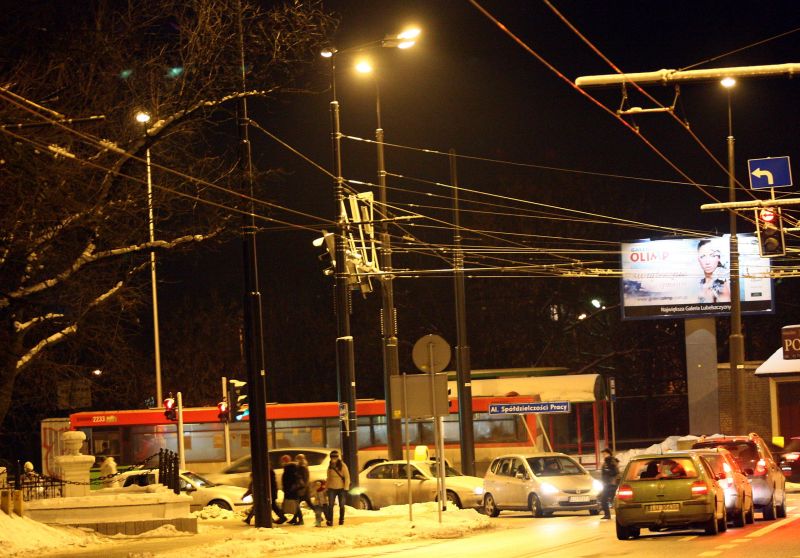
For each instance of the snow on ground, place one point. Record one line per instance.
(22, 536)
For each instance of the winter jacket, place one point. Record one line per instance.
(338, 478)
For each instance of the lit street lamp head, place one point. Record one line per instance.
(142, 117)
(728, 82)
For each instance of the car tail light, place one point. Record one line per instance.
(625, 492)
(761, 468)
(699, 488)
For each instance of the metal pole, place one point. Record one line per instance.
(736, 340)
(439, 456)
(181, 448)
(613, 390)
(345, 366)
(408, 446)
(226, 425)
(253, 320)
(151, 228)
(463, 371)
(391, 360)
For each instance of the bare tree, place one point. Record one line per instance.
(73, 209)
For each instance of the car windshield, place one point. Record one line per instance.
(240, 466)
(448, 470)
(744, 452)
(197, 479)
(661, 468)
(552, 466)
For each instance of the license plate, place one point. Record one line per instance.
(662, 507)
(578, 498)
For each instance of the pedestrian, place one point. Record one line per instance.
(338, 483)
(304, 488)
(273, 485)
(293, 486)
(609, 473)
(319, 501)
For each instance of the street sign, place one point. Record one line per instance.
(541, 407)
(772, 172)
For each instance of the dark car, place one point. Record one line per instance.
(788, 458)
(756, 461)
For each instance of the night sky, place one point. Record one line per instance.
(468, 86)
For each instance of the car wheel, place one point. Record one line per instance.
(751, 514)
(780, 511)
(221, 504)
(712, 525)
(722, 523)
(769, 510)
(452, 498)
(535, 505)
(363, 503)
(490, 506)
(625, 533)
(740, 516)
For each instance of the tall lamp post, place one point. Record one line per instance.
(736, 339)
(391, 360)
(143, 118)
(345, 366)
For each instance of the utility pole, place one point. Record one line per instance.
(721, 75)
(253, 319)
(463, 371)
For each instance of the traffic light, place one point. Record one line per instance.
(237, 400)
(769, 223)
(170, 412)
(224, 414)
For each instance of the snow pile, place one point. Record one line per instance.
(21, 535)
(387, 526)
(215, 512)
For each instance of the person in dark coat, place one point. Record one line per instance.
(609, 473)
(304, 494)
(293, 487)
(273, 485)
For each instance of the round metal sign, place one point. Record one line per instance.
(431, 352)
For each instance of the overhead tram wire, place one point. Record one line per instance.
(84, 162)
(586, 95)
(93, 141)
(641, 90)
(506, 162)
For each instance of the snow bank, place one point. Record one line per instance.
(20, 535)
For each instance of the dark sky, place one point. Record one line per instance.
(468, 86)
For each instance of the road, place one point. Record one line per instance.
(518, 535)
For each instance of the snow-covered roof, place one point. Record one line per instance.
(575, 388)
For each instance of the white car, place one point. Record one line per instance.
(203, 492)
(541, 483)
(386, 484)
(238, 472)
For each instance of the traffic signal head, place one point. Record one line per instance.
(769, 228)
(237, 400)
(170, 412)
(224, 414)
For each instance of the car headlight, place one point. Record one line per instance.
(248, 499)
(548, 488)
(478, 490)
(597, 486)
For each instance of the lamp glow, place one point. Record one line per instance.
(728, 82)
(142, 117)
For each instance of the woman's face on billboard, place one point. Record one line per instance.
(708, 256)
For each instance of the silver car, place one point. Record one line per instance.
(386, 484)
(202, 491)
(542, 483)
(238, 472)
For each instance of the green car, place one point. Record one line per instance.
(677, 490)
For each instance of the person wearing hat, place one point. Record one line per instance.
(338, 483)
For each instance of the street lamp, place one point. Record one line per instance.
(736, 339)
(391, 359)
(143, 118)
(345, 367)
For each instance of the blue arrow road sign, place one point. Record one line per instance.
(529, 408)
(772, 172)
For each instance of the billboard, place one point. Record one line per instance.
(690, 277)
